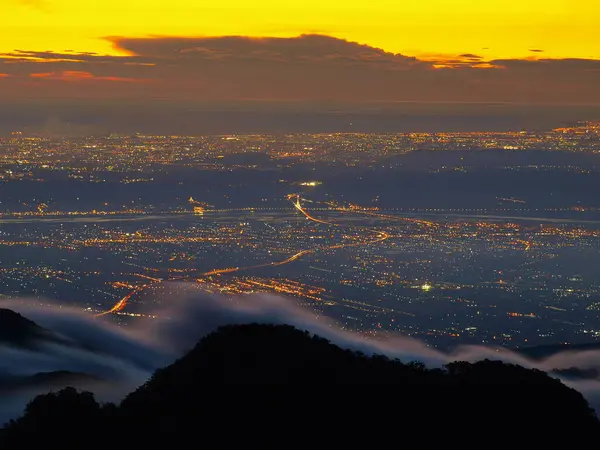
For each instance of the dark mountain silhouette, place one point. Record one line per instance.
(576, 373)
(263, 386)
(22, 333)
(50, 380)
(544, 351)
(540, 352)
(19, 331)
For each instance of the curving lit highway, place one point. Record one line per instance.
(121, 304)
(299, 207)
(380, 236)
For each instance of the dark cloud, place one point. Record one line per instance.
(552, 66)
(303, 49)
(78, 75)
(536, 50)
(310, 72)
(471, 56)
(306, 68)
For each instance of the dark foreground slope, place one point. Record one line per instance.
(259, 386)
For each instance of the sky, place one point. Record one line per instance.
(352, 55)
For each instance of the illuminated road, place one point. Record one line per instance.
(120, 305)
(380, 236)
(299, 207)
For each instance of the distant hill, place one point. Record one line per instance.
(263, 386)
(19, 331)
(575, 373)
(544, 351)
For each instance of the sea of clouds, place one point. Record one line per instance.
(126, 356)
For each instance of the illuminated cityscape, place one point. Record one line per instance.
(200, 200)
(454, 238)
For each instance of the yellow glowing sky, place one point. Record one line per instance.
(491, 28)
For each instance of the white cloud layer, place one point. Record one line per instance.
(127, 356)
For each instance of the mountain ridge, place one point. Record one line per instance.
(18, 330)
(274, 385)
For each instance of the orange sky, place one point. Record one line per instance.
(541, 52)
(506, 29)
